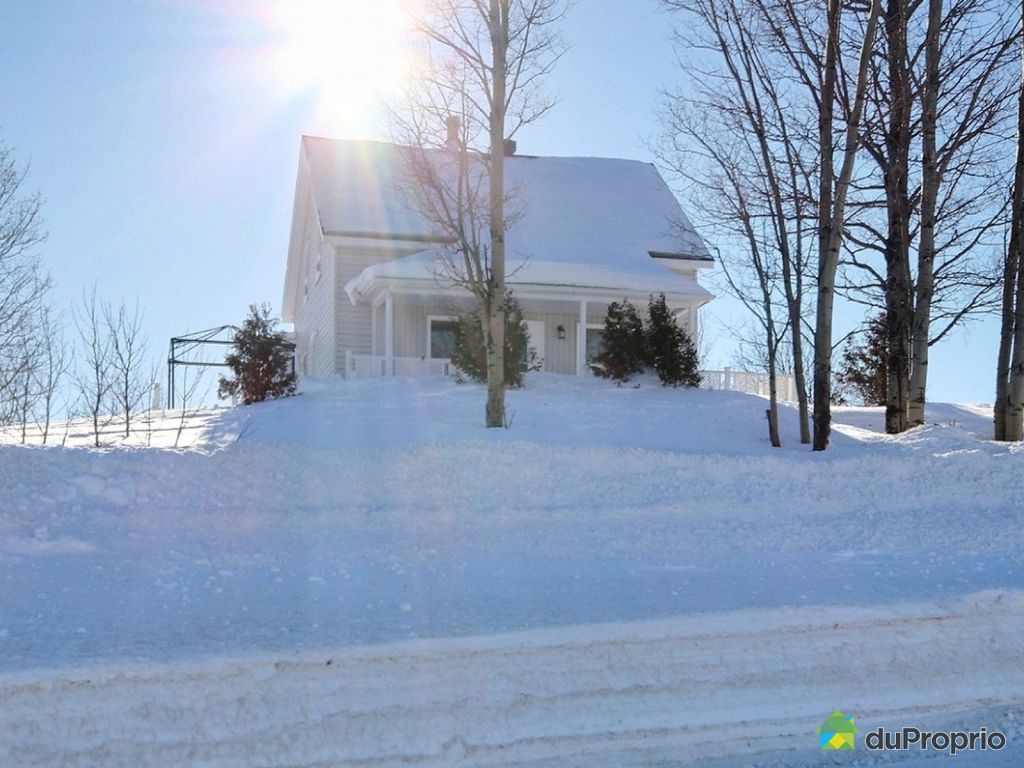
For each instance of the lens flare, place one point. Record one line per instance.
(346, 54)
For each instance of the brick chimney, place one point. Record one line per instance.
(454, 126)
(510, 147)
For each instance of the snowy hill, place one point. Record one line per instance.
(368, 569)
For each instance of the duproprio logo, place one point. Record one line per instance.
(837, 732)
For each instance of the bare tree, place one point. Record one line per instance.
(32, 397)
(22, 392)
(1009, 405)
(94, 377)
(54, 364)
(949, 205)
(832, 195)
(127, 356)
(741, 134)
(23, 285)
(486, 63)
(41, 362)
(930, 180)
(192, 399)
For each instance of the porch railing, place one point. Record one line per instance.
(373, 366)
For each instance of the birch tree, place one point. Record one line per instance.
(930, 178)
(833, 191)
(486, 61)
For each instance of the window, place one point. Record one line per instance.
(595, 340)
(442, 337)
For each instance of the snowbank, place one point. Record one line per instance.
(623, 570)
(723, 686)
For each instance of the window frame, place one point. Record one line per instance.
(587, 327)
(430, 332)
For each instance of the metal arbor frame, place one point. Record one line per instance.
(182, 346)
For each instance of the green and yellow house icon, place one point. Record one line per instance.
(837, 732)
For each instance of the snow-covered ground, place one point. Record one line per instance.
(363, 575)
(181, 428)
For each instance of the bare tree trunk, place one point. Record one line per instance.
(831, 206)
(1014, 429)
(1002, 401)
(773, 395)
(1009, 406)
(495, 331)
(898, 284)
(55, 365)
(826, 264)
(926, 244)
(25, 403)
(794, 303)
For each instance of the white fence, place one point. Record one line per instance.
(751, 383)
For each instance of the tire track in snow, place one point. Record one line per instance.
(739, 683)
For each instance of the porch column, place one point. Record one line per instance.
(389, 335)
(373, 329)
(581, 341)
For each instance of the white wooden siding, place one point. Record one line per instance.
(314, 313)
(352, 323)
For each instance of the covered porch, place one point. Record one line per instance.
(412, 329)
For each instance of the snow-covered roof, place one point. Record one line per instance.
(613, 211)
(357, 189)
(584, 221)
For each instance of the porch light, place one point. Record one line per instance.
(561, 331)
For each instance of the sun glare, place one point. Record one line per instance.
(347, 53)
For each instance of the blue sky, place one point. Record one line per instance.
(166, 151)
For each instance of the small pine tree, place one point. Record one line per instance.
(861, 376)
(669, 348)
(261, 361)
(622, 345)
(470, 356)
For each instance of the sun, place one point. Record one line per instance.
(347, 54)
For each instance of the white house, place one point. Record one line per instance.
(363, 286)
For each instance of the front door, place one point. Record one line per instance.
(536, 343)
